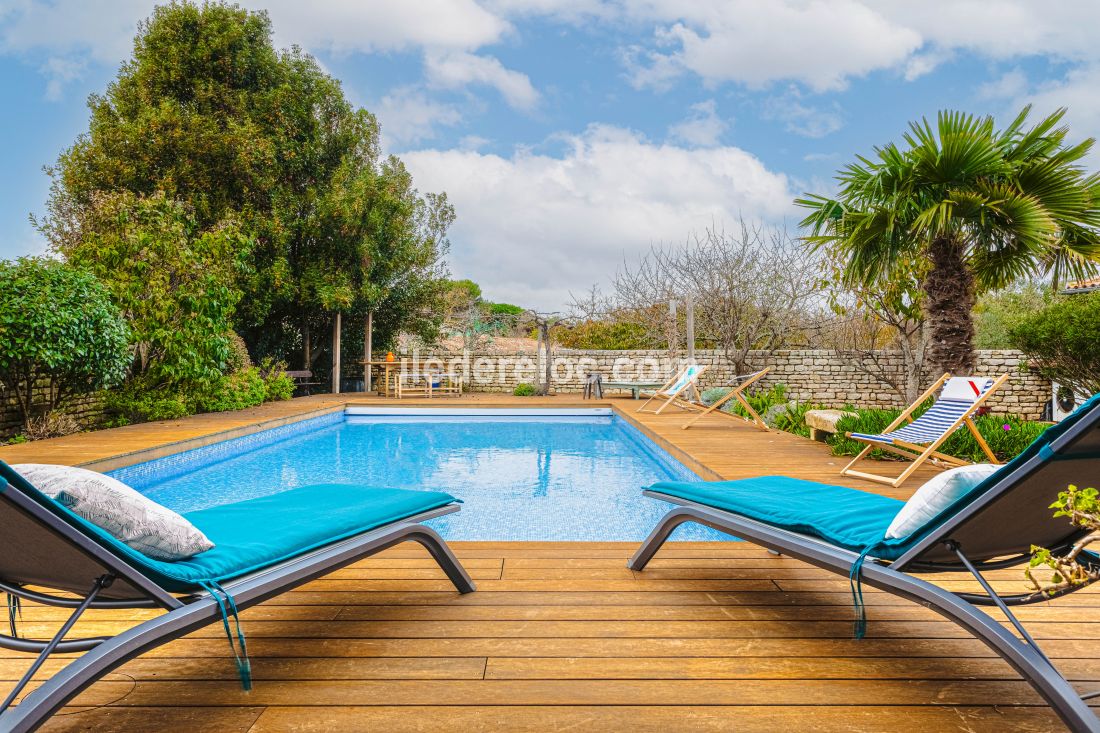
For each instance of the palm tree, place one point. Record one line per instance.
(977, 207)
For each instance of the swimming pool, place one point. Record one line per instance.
(533, 475)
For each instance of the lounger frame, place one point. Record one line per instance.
(673, 398)
(917, 453)
(1025, 658)
(737, 393)
(183, 614)
(995, 530)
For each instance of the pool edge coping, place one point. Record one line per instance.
(141, 455)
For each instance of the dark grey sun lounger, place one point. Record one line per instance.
(263, 547)
(994, 526)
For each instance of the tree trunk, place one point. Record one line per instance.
(336, 354)
(368, 349)
(307, 343)
(949, 305)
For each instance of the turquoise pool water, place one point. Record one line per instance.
(521, 477)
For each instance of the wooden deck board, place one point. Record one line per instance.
(561, 636)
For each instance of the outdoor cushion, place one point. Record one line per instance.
(938, 493)
(106, 502)
(251, 535)
(841, 516)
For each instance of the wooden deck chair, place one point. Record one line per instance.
(687, 379)
(920, 438)
(737, 394)
(993, 525)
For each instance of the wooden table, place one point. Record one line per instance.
(388, 367)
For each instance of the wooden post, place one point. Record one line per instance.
(367, 349)
(689, 305)
(308, 343)
(673, 330)
(548, 366)
(336, 354)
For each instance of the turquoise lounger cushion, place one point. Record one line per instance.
(850, 518)
(258, 533)
(841, 516)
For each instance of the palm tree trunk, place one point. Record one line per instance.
(949, 305)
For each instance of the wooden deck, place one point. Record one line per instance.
(562, 636)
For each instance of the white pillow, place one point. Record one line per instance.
(935, 496)
(111, 505)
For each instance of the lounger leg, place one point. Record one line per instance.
(442, 554)
(36, 707)
(658, 537)
(1028, 661)
(100, 584)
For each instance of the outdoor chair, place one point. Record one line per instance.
(669, 393)
(427, 384)
(919, 439)
(992, 525)
(744, 382)
(263, 547)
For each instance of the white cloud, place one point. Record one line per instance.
(103, 30)
(921, 64)
(59, 72)
(1077, 91)
(1007, 86)
(407, 115)
(802, 119)
(820, 44)
(459, 69)
(537, 226)
(702, 127)
(824, 44)
(348, 25)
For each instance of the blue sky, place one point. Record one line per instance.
(571, 134)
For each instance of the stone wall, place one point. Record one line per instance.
(89, 411)
(822, 376)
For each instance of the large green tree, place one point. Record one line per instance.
(174, 282)
(974, 206)
(207, 113)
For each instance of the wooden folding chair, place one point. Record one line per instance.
(737, 393)
(920, 438)
(685, 379)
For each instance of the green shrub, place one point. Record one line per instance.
(792, 418)
(1063, 340)
(604, 335)
(57, 323)
(137, 403)
(1007, 436)
(523, 389)
(239, 359)
(278, 385)
(232, 392)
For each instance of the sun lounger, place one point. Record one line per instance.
(994, 525)
(685, 380)
(263, 548)
(919, 439)
(737, 393)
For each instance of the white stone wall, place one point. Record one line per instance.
(813, 375)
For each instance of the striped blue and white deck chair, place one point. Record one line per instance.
(684, 381)
(920, 438)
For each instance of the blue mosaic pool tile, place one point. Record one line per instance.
(142, 475)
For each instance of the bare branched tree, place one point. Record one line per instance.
(752, 290)
(870, 323)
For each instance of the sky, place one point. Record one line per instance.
(575, 135)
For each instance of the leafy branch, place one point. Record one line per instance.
(1083, 510)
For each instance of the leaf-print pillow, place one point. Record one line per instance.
(111, 505)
